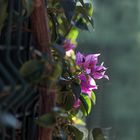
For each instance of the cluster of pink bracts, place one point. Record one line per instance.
(90, 71)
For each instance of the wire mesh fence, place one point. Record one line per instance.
(18, 100)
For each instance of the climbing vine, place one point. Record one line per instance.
(67, 74)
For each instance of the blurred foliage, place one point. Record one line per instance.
(3, 12)
(66, 17)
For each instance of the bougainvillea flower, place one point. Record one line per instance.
(87, 83)
(88, 63)
(98, 72)
(80, 59)
(68, 45)
(91, 60)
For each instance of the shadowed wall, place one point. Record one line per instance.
(117, 38)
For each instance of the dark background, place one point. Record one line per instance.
(117, 38)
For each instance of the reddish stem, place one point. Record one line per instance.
(40, 30)
(39, 23)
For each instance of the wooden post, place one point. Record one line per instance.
(39, 25)
(40, 31)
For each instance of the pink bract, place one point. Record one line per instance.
(88, 63)
(68, 45)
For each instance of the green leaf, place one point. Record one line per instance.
(81, 10)
(78, 135)
(78, 121)
(63, 26)
(54, 2)
(46, 120)
(68, 100)
(73, 34)
(63, 81)
(69, 8)
(3, 12)
(98, 134)
(85, 104)
(81, 24)
(92, 22)
(32, 71)
(53, 27)
(76, 89)
(57, 70)
(89, 7)
(93, 97)
(65, 23)
(54, 75)
(86, 3)
(59, 49)
(82, 2)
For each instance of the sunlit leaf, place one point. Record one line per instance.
(85, 15)
(78, 121)
(82, 2)
(85, 104)
(89, 7)
(73, 34)
(93, 97)
(63, 25)
(81, 24)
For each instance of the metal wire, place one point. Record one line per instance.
(16, 96)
